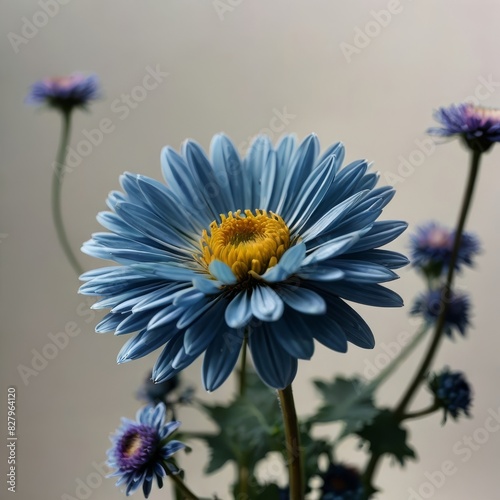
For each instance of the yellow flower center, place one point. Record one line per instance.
(247, 243)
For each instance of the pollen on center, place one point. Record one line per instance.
(249, 243)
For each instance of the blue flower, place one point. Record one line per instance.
(452, 392)
(341, 482)
(65, 92)
(430, 303)
(265, 248)
(142, 450)
(479, 127)
(432, 246)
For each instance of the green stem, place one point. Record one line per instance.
(400, 410)
(182, 488)
(243, 472)
(57, 180)
(292, 436)
(446, 294)
(421, 413)
(243, 368)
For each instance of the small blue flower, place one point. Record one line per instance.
(65, 92)
(432, 245)
(142, 450)
(341, 482)
(452, 392)
(479, 127)
(267, 247)
(430, 304)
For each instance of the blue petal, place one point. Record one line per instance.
(274, 365)
(201, 332)
(329, 333)
(239, 312)
(228, 170)
(289, 263)
(380, 234)
(266, 304)
(369, 294)
(363, 272)
(222, 272)
(331, 217)
(220, 358)
(303, 300)
(206, 286)
(293, 333)
(332, 248)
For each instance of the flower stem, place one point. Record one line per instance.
(243, 472)
(400, 410)
(243, 368)
(182, 488)
(421, 413)
(446, 293)
(57, 180)
(292, 436)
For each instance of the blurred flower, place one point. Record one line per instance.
(479, 127)
(452, 391)
(65, 92)
(341, 482)
(142, 450)
(159, 392)
(429, 305)
(432, 245)
(265, 247)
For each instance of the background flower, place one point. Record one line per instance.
(142, 450)
(341, 482)
(267, 247)
(432, 245)
(65, 92)
(429, 305)
(478, 126)
(452, 392)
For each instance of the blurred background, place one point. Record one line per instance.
(367, 73)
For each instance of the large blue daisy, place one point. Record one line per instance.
(261, 250)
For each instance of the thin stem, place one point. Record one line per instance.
(292, 436)
(243, 472)
(243, 368)
(421, 413)
(57, 180)
(446, 294)
(399, 411)
(182, 488)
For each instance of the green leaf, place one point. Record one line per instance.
(344, 400)
(385, 435)
(248, 427)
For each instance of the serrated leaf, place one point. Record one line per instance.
(247, 427)
(343, 400)
(385, 435)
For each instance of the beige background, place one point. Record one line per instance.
(233, 69)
